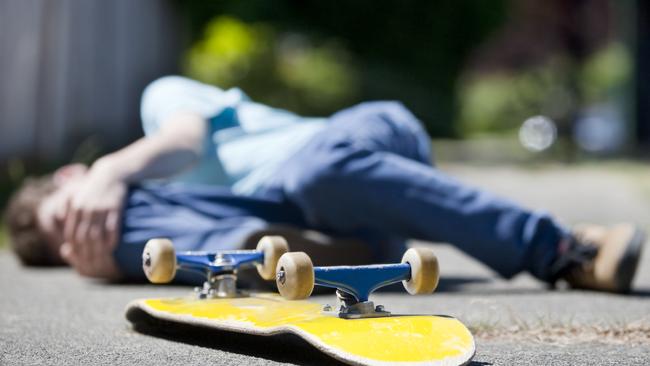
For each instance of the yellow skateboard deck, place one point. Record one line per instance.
(392, 340)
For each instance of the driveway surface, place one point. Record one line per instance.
(51, 316)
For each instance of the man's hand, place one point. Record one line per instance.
(93, 210)
(91, 227)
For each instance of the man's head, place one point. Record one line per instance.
(28, 241)
(35, 217)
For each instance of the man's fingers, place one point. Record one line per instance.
(69, 256)
(112, 228)
(66, 252)
(96, 232)
(81, 241)
(97, 239)
(61, 209)
(71, 222)
(70, 229)
(99, 264)
(80, 264)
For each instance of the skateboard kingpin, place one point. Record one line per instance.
(357, 332)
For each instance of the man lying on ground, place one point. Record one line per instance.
(238, 167)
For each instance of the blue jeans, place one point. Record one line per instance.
(370, 172)
(369, 175)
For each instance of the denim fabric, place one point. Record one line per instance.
(369, 175)
(370, 171)
(195, 217)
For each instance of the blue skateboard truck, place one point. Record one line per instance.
(296, 277)
(160, 263)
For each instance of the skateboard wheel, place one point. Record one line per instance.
(424, 271)
(159, 260)
(273, 248)
(295, 276)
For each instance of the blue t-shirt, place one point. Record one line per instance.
(247, 141)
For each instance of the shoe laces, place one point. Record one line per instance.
(574, 253)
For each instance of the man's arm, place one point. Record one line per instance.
(94, 209)
(177, 145)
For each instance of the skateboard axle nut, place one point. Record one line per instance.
(147, 259)
(281, 276)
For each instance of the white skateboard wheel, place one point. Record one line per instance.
(295, 276)
(159, 260)
(273, 248)
(424, 271)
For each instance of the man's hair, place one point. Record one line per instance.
(27, 240)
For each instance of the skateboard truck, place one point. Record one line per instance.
(296, 277)
(160, 263)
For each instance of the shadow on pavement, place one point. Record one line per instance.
(446, 284)
(280, 348)
(640, 293)
(456, 284)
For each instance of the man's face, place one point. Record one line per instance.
(51, 213)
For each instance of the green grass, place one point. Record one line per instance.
(3, 236)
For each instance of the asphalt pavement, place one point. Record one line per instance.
(52, 316)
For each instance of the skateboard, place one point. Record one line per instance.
(356, 332)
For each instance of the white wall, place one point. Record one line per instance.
(70, 69)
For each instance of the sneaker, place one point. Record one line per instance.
(600, 258)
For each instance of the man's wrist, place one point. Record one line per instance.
(107, 169)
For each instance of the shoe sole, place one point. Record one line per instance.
(630, 261)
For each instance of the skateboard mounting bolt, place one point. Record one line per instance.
(327, 307)
(220, 259)
(281, 276)
(379, 308)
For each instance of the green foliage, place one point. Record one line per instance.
(608, 69)
(315, 57)
(502, 101)
(282, 69)
(322, 75)
(226, 52)
(3, 236)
